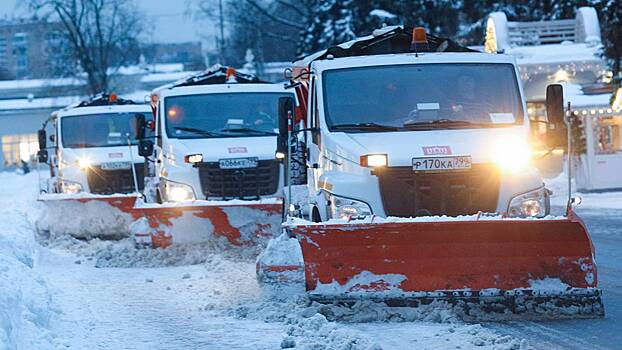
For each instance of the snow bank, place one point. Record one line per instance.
(25, 301)
(592, 200)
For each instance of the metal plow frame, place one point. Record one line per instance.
(517, 304)
(490, 265)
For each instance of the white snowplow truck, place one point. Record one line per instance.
(95, 170)
(421, 186)
(216, 175)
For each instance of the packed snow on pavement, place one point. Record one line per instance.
(59, 292)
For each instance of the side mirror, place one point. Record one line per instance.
(42, 137)
(556, 132)
(43, 156)
(555, 104)
(145, 148)
(139, 126)
(286, 109)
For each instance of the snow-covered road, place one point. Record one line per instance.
(605, 227)
(108, 295)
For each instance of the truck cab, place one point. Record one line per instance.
(412, 134)
(95, 149)
(216, 137)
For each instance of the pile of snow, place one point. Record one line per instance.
(316, 332)
(25, 301)
(125, 253)
(604, 200)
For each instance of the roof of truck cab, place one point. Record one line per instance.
(137, 108)
(222, 88)
(412, 58)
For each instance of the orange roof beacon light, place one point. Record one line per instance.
(230, 77)
(113, 98)
(419, 39)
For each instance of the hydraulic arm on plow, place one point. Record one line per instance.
(421, 187)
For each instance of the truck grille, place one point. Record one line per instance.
(114, 181)
(409, 194)
(239, 183)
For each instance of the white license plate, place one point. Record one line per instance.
(442, 163)
(116, 165)
(238, 163)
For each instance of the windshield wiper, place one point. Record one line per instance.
(249, 131)
(443, 123)
(200, 131)
(366, 126)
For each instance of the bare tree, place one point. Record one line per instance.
(272, 29)
(103, 34)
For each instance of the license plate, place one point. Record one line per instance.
(442, 163)
(238, 163)
(116, 165)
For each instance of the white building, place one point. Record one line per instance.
(26, 104)
(567, 51)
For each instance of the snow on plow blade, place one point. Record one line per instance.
(235, 224)
(544, 268)
(87, 216)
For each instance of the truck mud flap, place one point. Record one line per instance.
(411, 262)
(232, 225)
(86, 217)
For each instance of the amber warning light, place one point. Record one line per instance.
(419, 39)
(419, 36)
(231, 75)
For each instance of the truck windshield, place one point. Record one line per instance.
(97, 130)
(421, 96)
(222, 115)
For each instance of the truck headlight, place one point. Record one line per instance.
(374, 160)
(178, 192)
(511, 154)
(68, 187)
(531, 204)
(347, 208)
(84, 163)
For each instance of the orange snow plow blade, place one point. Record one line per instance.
(243, 224)
(87, 216)
(240, 225)
(524, 266)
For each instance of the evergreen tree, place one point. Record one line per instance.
(333, 23)
(610, 13)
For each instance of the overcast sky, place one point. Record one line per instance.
(169, 18)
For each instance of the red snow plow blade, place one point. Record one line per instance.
(541, 267)
(242, 225)
(88, 216)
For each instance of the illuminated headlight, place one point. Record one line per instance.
(346, 208)
(178, 192)
(511, 154)
(70, 187)
(279, 155)
(374, 160)
(531, 204)
(84, 163)
(194, 158)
